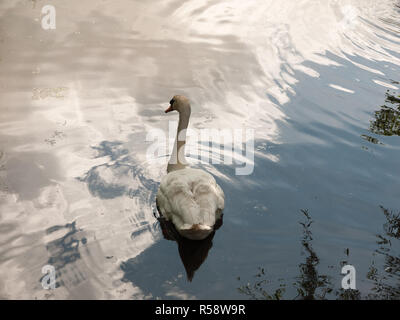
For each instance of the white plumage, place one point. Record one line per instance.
(190, 198)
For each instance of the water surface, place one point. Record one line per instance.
(316, 80)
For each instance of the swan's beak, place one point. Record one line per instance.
(169, 109)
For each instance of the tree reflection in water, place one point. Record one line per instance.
(384, 280)
(192, 253)
(310, 284)
(387, 119)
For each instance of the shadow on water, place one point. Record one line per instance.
(64, 251)
(310, 284)
(156, 271)
(122, 165)
(192, 253)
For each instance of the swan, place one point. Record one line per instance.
(190, 198)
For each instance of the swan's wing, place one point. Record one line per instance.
(190, 196)
(220, 196)
(209, 195)
(162, 203)
(177, 202)
(215, 189)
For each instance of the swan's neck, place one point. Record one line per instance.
(178, 160)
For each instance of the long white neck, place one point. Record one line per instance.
(177, 160)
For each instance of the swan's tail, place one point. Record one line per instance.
(195, 231)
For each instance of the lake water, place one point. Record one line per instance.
(318, 82)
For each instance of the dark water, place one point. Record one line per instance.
(318, 81)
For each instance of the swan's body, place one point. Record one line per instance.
(190, 198)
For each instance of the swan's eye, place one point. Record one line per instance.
(172, 102)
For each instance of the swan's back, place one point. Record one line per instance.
(192, 200)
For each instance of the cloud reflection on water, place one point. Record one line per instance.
(121, 61)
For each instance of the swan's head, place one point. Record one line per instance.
(180, 104)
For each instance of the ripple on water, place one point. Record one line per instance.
(76, 189)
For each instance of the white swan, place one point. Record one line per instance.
(190, 198)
